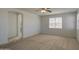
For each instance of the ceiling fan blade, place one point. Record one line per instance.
(48, 8)
(44, 9)
(49, 11)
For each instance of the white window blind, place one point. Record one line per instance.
(55, 22)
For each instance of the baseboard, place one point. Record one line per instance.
(14, 39)
(1, 45)
(59, 35)
(24, 37)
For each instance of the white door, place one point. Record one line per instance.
(12, 25)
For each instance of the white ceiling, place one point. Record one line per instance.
(54, 10)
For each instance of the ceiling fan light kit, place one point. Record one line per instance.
(43, 11)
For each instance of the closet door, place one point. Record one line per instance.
(12, 25)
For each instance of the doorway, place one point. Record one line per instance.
(15, 26)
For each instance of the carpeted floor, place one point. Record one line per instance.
(44, 42)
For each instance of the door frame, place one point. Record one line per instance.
(21, 29)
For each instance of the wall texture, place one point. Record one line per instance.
(68, 25)
(31, 24)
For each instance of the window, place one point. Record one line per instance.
(55, 22)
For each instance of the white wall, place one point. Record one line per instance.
(77, 25)
(3, 26)
(31, 24)
(68, 26)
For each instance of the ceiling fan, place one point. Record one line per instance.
(44, 10)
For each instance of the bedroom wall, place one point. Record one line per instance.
(68, 25)
(31, 24)
(3, 26)
(77, 25)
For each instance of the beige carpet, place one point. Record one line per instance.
(44, 42)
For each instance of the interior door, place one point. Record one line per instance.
(12, 25)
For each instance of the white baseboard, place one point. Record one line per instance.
(14, 39)
(30, 35)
